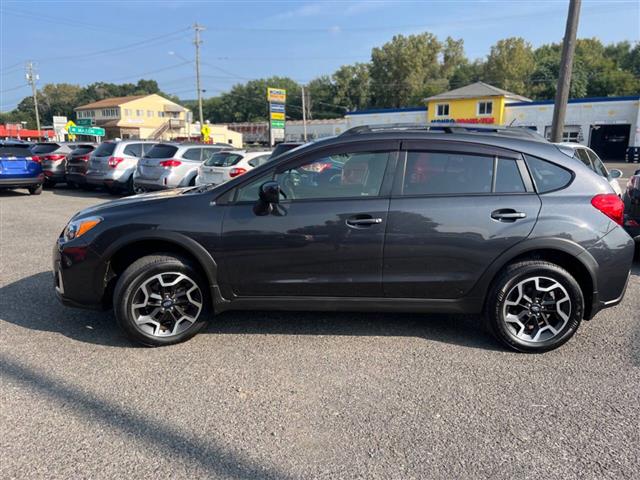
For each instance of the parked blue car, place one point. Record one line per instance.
(18, 169)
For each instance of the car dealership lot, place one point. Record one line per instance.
(298, 395)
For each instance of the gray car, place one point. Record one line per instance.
(171, 165)
(53, 158)
(112, 164)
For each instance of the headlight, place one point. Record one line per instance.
(77, 228)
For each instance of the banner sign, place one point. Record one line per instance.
(277, 97)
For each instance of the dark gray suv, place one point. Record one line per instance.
(404, 219)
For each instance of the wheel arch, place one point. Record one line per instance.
(126, 250)
(564, 253)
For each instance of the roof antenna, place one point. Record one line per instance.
(511, 122)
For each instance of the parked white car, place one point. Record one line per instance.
(591, 160)
(228, 164)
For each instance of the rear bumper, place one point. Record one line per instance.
(54, 176)
(614, 255)
(78, 178)
(13, 182)
(113, 177)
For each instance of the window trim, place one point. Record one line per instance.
(398, 181)
(437, 113)
(533, 180)
(485, 102)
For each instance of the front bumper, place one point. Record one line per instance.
(21, 182)
(78, 276)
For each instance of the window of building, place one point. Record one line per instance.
(161, 114)
(149, 113)
(447, 173)
(127, 112)
(571, 133)
(442, 110)
(110, 112)
(485, 108)
(139, 113)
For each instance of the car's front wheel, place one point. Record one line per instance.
(161, 300)
(534, 306)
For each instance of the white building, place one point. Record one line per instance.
(294, 129)
(609, 125)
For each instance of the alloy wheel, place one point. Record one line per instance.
(166, 304)
(536, 309)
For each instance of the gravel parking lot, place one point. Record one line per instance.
(298, 395)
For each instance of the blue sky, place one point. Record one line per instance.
(86, 41)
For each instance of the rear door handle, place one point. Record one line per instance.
(363, 222)
(507, 215)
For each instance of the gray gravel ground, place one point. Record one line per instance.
(298, 395)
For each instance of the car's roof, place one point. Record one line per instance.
(572, 145)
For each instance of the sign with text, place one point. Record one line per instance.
(276, 95)
(97, 131)
(84, 122)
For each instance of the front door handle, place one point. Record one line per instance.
(363, 222)
(507, 215)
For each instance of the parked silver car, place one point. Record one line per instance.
(53, 158)
(112, 164)
(170, 165)
(225, 165)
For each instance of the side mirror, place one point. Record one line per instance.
(615, 173)
(270, 192)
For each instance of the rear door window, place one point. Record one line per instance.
(547, 176)
(105, 149)
(508, 178)
(193, 154)
(133, 150)
(162, 151)
(447, 173)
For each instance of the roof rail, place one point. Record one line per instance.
(521, 132)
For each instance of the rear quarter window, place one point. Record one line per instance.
(223, 159)
(133, 150)
(547, 176)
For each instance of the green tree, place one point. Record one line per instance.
(510, 64)
(353, 86)
(402, 69)
(321, 98)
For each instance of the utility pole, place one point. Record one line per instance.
(566, 66)
(197, 42)
(304, 114)
(32, 76)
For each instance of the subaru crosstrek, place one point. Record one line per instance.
(416, 219)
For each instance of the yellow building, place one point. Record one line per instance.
(475, 103)
(142, 116)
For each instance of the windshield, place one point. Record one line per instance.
(105, 149)
(161, 151)
(41, 148)
(223, 159)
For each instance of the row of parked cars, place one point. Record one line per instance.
(125, 166)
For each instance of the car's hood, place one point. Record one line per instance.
(133, 201)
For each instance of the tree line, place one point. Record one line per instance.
(401, 73)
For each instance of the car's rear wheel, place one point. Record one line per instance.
(534, 306)
(161, 300)
(35, 190)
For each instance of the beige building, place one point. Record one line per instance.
(142, 116)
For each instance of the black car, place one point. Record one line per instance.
(409, 219)
(631, 198)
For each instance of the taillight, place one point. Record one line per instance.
(237, 171)
(55, 158)
(611, 205)
(170, 163)
(84, 158)
(36, 158)
(113, 162)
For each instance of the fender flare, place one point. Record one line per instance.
(562, 245)
(203, 257)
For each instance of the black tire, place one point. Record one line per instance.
(72, 185)
(130, 187)
(112, 190)
(87, 187)
(508, 279)
(140, 272)
(192, 182)
(49, 183)
(35, 190)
